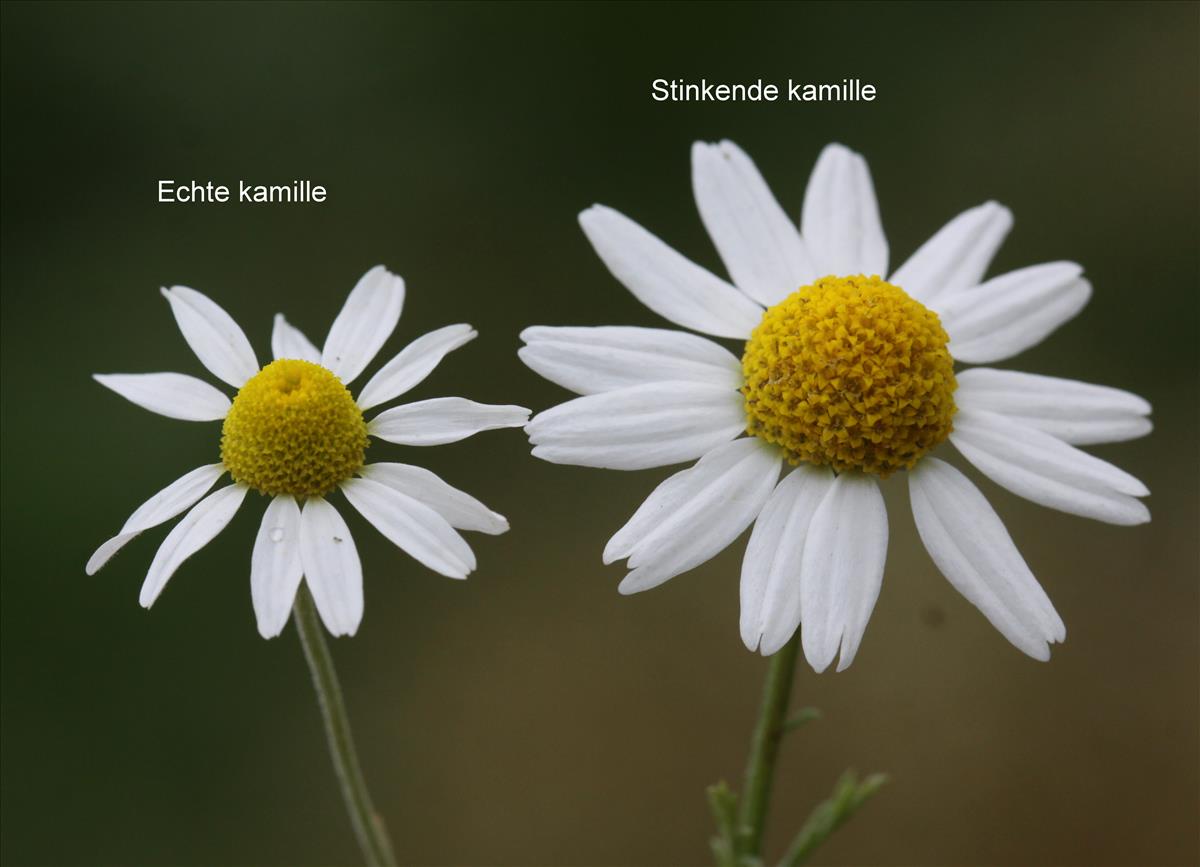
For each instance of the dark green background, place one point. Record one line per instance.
(531, 715)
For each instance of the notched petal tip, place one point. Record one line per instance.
(769, 646)
(750, 638)
(817, 664)
(704, 150)
(269, 634)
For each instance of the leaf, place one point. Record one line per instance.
(848, 796)
(801, 718)
(723, 802)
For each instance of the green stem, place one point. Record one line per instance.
(764, 748)
(368, 826)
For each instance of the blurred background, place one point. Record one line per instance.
(531, 715)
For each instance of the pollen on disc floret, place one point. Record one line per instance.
(293, 429)
(850, 372)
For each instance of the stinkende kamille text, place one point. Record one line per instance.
(681, 90)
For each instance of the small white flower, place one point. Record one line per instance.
(294, 432)
(848, 378)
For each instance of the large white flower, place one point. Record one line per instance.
(848, 378)
(295, 433)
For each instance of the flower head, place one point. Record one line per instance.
(847, 376)
(850, 373)
(294, 433)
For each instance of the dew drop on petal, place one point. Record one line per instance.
(277, 534)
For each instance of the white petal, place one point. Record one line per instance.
(770, 587)
(840, 219)
(412, 526)
(198, 527)
(634, 428)
(443, 420)
(275, 565)
(970, 546)
(331, 566)
(288, 341)
(841, 569)
(463, 511)
(595, 360)
(760, 246)
(1075, 412)
(695, 514)
(166, 504)
(666, 282)
(175, 395)
(217, 340)
(1041, 468)
(1012, 312)
(958, 255)
(413, 363)
(366, 321)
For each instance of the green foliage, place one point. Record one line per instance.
(724, 804)
(802, 718)
(739, 831)
(848, 795)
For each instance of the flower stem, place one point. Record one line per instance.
(764, 749)
(368, 826)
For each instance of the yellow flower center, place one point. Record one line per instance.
(293, 429)
(850, 372)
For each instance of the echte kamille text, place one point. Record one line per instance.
(173, 192)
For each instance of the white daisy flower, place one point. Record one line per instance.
(294, 432)
(847, 379)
